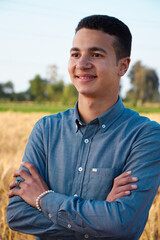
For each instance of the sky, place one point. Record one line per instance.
(35, 34)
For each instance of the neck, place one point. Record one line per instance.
(90, 109)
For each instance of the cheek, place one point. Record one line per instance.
(71, 66)
(102, 70)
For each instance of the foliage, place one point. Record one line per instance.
(145, 84)
(70, 95)
(7, 91)
(37, 88)
(54, 91)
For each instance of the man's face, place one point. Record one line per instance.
(92, 65)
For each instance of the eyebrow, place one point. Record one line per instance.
(92, 49)
(74, 49)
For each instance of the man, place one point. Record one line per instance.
(91, 172)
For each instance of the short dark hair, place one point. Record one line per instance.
(112, 26)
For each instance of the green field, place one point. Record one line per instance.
(53, 108)
(32, 107)
(144, 109)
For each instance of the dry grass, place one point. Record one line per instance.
(15, 130)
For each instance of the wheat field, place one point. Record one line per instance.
(15, 130)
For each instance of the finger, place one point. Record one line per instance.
(126, 188)
(122, 194)
(13, 184)
(127, 180)
(22, 173)
(123, 175)
(124, 180)
(14, 192)
(30, 167)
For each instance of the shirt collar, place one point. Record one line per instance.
(78, 122)
(104, 120)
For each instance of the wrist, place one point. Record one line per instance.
(39, 198)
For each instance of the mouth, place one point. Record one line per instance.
(85, 77)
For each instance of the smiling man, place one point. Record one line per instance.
(91, 172)
(95, 71)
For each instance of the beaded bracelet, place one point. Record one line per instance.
(40, 196)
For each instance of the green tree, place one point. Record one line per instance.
(8, 87)
(22, 96)
(7, 91)
(38, 88)
(145, 84)
(70, 95)
(2, 94)
(55, 91)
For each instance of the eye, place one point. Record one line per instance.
(97, 55)
(75, 55)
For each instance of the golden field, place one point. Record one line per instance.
(15, 129)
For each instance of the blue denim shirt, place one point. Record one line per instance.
(79, 162)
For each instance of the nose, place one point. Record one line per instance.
(84, 63)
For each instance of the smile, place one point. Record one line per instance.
(85, 78)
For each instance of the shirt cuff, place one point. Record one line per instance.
(50, 205)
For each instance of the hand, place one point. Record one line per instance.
(121, 186)
(32, 186)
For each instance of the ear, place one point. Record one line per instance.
(123, 65)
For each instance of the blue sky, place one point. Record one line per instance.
(37, 33)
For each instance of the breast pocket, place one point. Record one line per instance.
(100, 182)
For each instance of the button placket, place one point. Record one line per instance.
(88, 134)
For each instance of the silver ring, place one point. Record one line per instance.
(17, 182)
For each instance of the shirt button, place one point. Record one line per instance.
(49, 215)
(69, 226)
(86, 140)
(103, 126)
(80, 169)
(86, 236)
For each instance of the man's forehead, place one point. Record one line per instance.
(92, 39)
(85, 34)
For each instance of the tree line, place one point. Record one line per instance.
(41, 90)
(144, 81)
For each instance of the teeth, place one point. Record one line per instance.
(86, 77)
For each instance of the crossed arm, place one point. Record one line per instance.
(124, 211)
(34, 185)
